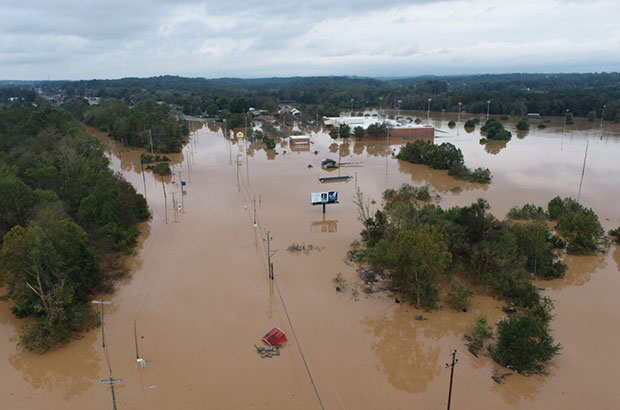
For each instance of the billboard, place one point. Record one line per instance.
(329, 197)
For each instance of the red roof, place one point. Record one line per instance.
(275, 337)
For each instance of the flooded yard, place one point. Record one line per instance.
(201, 297)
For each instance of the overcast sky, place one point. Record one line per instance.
(68, 39)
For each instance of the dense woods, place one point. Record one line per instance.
(137, 126)
(63, 212)
(510, 94)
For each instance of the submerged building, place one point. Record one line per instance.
(400, 128)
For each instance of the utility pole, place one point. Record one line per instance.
(165, 201)
(451, 366)
(111, 382)
(583, 170)
(135, 336)
(189, 175)
(270, 253)
(488, 108)
(151, 140)
(143, 177)
(101, 303)
(254, 210)
(174, 207)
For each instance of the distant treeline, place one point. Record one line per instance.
(135, 126)
(510, 94)
(63, 215)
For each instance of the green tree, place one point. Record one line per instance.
(524, 342)
(344, 131)
(334, 133)
(358, 132)
(416, 257)
(523, 124)
(50, 271)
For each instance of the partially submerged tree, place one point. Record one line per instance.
(416, 257)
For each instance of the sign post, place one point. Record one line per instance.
(324, 198)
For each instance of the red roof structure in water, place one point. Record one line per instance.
(275, 337)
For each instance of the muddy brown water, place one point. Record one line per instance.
(201, 297)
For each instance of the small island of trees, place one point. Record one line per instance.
(420, 247)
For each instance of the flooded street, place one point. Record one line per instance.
(199, 290)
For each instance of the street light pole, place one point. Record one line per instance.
(352, 107)
(602, 116)
(428, 112)
(460, 104)
(399, 103)
(488, 108)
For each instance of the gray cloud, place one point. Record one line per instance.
(113, 38)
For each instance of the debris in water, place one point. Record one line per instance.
(397, 300)
(274, 337)
(419, 317)
(268, 351)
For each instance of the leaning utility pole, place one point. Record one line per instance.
(101, 303)
(111, 382)
(451, 366)
(583, 170)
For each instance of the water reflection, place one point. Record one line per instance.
(438, 178)
(580, 270)
(53, 373)
(324, 226)
(409, 362)
(494, 147)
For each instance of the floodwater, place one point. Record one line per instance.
(201, 298)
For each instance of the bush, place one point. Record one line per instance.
(528, 212)
(524, 342)
(615, 234)
(542, 126)
(591, 116)
(523, 125)
(459, 296)
(451, 123)
(481, 331)
(580, 226)
(569, 118)
(358, 132)
(470, 124)
(495, 130)
(161, 169)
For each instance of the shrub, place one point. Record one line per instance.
(495, 130)
(527, 212)
(542, 126)
(591, 116)
(580, 226)
(523, 125)
(481, 331)
(459, 296)
(161, 169)
(524, 342)
(470, 124)
(615, 234)
(451, 123)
